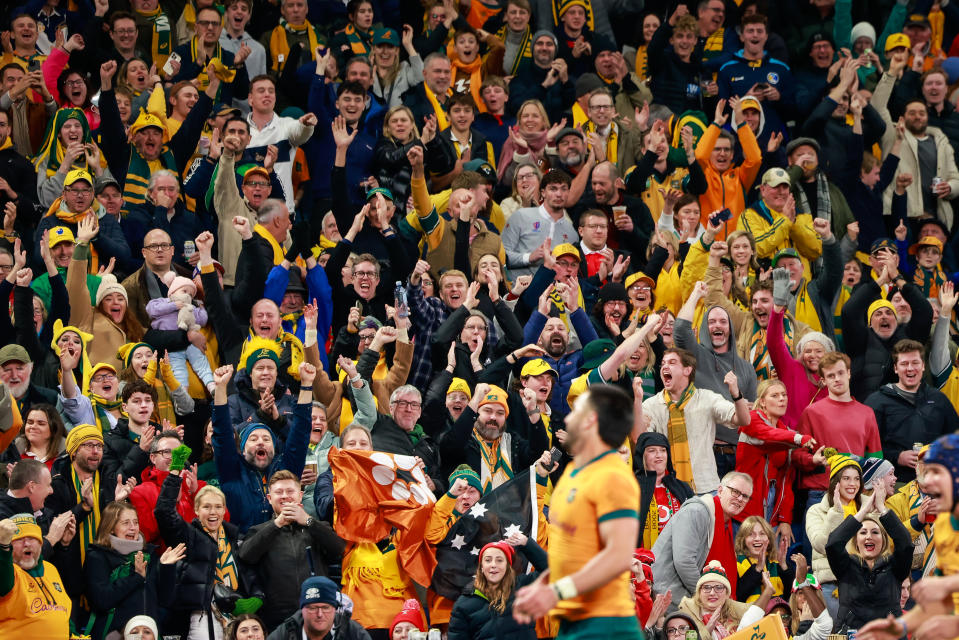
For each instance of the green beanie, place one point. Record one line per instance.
(466, 472)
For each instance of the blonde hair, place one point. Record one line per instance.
(885, 552)
(497, 594)
(536, 104)
(746, 530)
(797, 610)
(764, 387)
(389, 114)
(204, 492)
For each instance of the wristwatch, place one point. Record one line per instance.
(309, 521)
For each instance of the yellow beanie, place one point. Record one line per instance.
(459, 384)
(80, 434)
(876, 306)
(839, 462)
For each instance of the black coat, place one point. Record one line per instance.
(393, 170)
(126, 596)
(391, 438)
(671, 76)
(473, 619)
(125, 454)
(280, 555)
(866, 594)
(903, 423)
(647, 479)
(343, 628)
(196, 573)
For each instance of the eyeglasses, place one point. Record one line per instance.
(92, 444)
(79, 190)
(640, 287)
(368, 337)
(73, 83)
(257, 184)
(677, 631)
(598, 225)
(601, 107)
(166, 453)
(320, 609)
(6, 267)
(526, 176)
(158, 247)
(713, 588)
(103, 377)
(208, 24)
(738, 494)
(403, 404)
(426, 282)
(364, 274)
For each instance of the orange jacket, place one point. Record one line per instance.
(729, 188)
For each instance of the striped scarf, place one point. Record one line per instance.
(50, 154)
(101, 407)
(559, 6)
(759, 354)
(496, 467)
(678, 438)
(88, 526)
(280, 46)
(161, 45)
(359, 40)
(138, 176)
(642, 62)
(525, 51)
(226, 569)
(929, 280)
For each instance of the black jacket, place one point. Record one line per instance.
(393, 170)
(391, 438)
(647, 479)
(529, 86)
(22, 178)
(671, 77)
(125, 454)
(473, 619)
(866, 594)
(196, 573)
(903, 422)
(871, 355)
(343, 628)
(129, 595)
(283, 561)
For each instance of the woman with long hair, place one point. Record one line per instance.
(742, 251)
(123, 576)
(525, 189)
(764, 453)
(870, 557)
(485, 608)
(400, 134)
(809, 618)
(526, 142)
(843, 498)
(651, 22)
(392, 77)
(356, 39)
(713, 609)
(44, 436)
(758, 560)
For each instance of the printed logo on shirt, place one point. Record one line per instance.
(772, 78)
(572, 495)
(737, 78)
(536, 225)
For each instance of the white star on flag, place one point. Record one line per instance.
(475, 551)
(458, 542)
(479, 509)
(510, 530)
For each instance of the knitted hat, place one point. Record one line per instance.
(140, 621)
(839, 462)
(495, 395)
(611, 292)
(108, 285)
(876, 306)
(369, 322)
(411, 613)
(249, 429)
(544, 32)
(177, 283)
(80, 434)
(863, 30)
(126, 351)
(458, 384)
(258, 348)
(27, 527)
(588, 83)
(945, 451)
(318, 589)
(713, 572)
(466, 472)
(873, 469)
(503, 546)
(815, 336)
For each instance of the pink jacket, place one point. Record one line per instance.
(801, 390)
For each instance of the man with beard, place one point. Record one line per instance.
(288, 548)
(16, 368)
(150, 147)
(716, 354)
(630, 232)
(23, 572)
(546, 80)
(750, 326)
(84, 485)
(480, 439)
(925, 155)
(689, 416)
(243, 472)
(870, 346)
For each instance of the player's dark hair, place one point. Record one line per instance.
(614, 413)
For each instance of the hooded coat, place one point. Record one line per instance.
(647, 478)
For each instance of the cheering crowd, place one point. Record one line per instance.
(248, 245)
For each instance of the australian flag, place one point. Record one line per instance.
(507, 509)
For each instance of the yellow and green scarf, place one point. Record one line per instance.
(929, 280)
(678, 438)
(226, 569)
(162, 44)
(442, 121)
(758, 352)
(88, 526)
(280, 47)
(360, 41)
(525, 48)
(51, 149)
(101, 407)
(496, 467)
(611, 141)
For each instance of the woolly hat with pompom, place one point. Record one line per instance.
(412, 613)
(177, 283)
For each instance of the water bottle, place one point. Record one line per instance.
(402, 304)
(189, 248)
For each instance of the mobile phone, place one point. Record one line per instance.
(167, 67)
(555, 455)
(721, 216)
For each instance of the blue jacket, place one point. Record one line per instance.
(737, 77)
(317, 288)
(244, 485)
(568, 366)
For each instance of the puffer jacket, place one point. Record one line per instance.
(821, 521)
(196, 574)
(393, 170)
(867, 594)
(473, 619)
(121, 451)
(343, 628)
(144, 499)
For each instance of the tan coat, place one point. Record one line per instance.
(228, 203)
(107, 335)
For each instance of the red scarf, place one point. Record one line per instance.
(722, 548)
